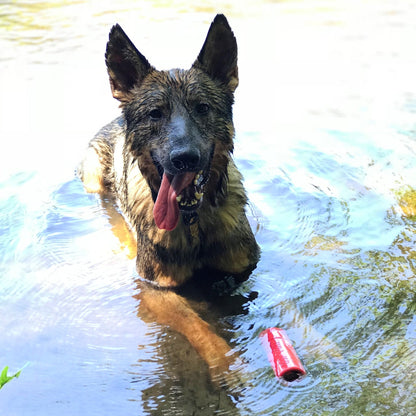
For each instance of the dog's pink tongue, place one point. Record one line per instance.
(166, 209)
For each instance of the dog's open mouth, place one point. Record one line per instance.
(181, 192)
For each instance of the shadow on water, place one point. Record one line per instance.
(326, 143)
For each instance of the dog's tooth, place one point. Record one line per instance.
(199, 195)
(198, 176)
(178, 198)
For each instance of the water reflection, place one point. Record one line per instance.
(325, 118)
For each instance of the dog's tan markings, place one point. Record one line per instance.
(120, 229)
(92, 176)
(166, 275)
(127, 241)
(194, 230)
(173, 310)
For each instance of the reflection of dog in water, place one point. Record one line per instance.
(167, 160)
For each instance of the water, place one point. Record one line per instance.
(325, 118)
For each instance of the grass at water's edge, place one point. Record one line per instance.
(4, 378)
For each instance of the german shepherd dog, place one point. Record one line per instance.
(167, 161)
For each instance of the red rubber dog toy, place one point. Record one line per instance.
(281, 354)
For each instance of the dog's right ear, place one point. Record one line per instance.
(126, 66)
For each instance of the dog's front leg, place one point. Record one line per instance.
(168, 308)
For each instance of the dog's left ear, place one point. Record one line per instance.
(126, 66)
(218, 56)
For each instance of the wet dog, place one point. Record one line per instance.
(168, 161)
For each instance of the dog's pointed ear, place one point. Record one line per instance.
(126, 66)
(218, 56)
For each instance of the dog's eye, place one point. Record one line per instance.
(155, 114)
(202, 108)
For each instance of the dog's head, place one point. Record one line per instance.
(179, 122)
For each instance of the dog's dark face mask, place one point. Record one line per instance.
(179, 123)
(183, 161)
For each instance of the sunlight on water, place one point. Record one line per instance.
(325, 120)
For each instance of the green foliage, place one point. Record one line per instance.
(4, 378)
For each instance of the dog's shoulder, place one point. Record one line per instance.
(108, 135)
(96, 168)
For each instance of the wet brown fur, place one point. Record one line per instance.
(120, 161)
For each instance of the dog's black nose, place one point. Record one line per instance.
(185, 159)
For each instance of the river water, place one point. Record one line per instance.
(325, 117)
